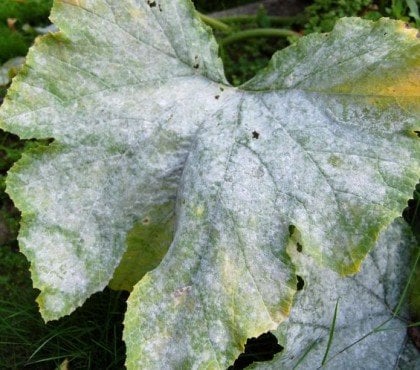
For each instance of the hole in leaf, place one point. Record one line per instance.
(411, 212)
(291, 229)
(300, 283)
(196, 65)
(417, 133)
(295, 237)
(258, 349)
(255, 135)
(414, 334)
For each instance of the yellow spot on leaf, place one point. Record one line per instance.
(136, 13)
(401, 86)
(199, 211)
(335, 160)
(404, 86)
(408, 31)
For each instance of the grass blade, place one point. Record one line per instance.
(331, 335)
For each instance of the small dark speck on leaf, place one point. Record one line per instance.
(151, 3)
(145, 221)
(255, 135)
(221, 88)
(217, 97)
(160, 8)
(299, 247)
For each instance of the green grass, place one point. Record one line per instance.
(331, 334)
(90, 338)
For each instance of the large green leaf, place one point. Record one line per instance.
(135, 97)
(368, 332)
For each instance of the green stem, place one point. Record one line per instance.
(214, 23)
(257, 32)
(285, 21)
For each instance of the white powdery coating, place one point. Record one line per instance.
(237, 199)
(66, 280)
(364, 302)
(93, 193)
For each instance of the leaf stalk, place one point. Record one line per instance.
(214, 23)
(257, 32)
